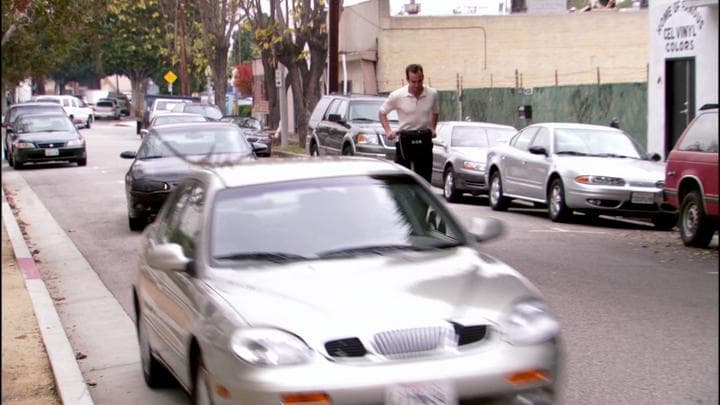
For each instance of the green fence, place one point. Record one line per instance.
(590, 104)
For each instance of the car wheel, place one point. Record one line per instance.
(498, 202)
(449, 191)
(88, 122)
(347, 150)
(695, 229)
(665, 222)
(14, 163)
(200, 389)
(557, 210)
(82, 162)
(314, 149)
(154, 373)
(136, 224)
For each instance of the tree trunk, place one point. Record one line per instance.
(270, 91)
(301, 114)
(219, 64)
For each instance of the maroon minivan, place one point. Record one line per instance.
(691, 178)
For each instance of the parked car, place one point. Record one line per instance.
(79, 112)
(155, 105)
(165, 156)
(691, 178)
(460, 155)
(107, 108)
(349, 125)
(17, 110)
(253, 131)
(579, 167)
(46, 137)
(261, 284)
(210, 111)
(122, 101)
(173, 118)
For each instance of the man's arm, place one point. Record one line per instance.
(386, 125)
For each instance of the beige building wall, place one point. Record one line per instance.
(516, 50)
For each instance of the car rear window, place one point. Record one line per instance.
(105, 104)
(702, 135)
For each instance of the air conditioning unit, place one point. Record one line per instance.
(412, 8)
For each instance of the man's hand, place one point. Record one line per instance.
(391, 135)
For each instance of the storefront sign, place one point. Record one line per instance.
(679, 27)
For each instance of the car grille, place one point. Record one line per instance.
(409, 342)
(51, 145)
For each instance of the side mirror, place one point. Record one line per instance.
(485, 229)
(538, 150)
(167, 257)
(128, 154)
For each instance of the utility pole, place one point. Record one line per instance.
(333, 51)
(184, 80)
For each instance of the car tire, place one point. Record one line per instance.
(15, 164)
(88, 122)
(557, 209)
(82, 162)
(200, 388)
(665, 222)
(695, 228)
(450, 192)
(347, 150)
(154, 373)
(314, 149)
(498, 202)
(136, 224)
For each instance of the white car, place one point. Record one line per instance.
(78, 111)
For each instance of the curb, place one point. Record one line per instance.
(69, 380)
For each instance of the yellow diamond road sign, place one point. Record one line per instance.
(170, 77)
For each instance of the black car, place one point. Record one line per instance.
(168, 152)
(350, 125)
(16, 110)
(45, 137)
(253, 131)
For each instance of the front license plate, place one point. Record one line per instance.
(431, 393)
(52, 152)
(643, 198)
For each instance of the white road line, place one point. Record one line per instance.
(560, 230)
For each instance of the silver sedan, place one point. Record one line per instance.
(334, 281)
(460, 153)
(579, 167)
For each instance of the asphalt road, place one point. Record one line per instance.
(638, 310)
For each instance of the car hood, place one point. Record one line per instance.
(476, 154)
(634, 169)
(327, 299)
(58, 137)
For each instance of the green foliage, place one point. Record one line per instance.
(244, 110)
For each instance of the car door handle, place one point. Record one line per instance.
(671, 173)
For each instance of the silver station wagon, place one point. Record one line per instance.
(334, 281)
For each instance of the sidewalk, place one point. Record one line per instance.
(38, 364)
(26, 374)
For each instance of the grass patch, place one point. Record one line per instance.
(291, 148)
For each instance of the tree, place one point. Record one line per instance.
(134, 43)
(243, 78)
(219, 18)
(284, 37)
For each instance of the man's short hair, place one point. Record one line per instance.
(413, 68)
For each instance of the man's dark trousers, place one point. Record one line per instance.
(414, 151)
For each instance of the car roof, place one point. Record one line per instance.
(356, 96)
(571, 125)
(302, 168)
(477, 124)
(196, 124)
(32, 104)
(43, 115)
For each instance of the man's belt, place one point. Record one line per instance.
(415, 132)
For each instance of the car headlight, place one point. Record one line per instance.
(371, 139)
(150, 185)
(75, 142)
(269, 347)
(24, 145)
(477, 166)
(529, 322)
(600, 180)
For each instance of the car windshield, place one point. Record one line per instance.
(474, 136)
(193, 141)
(272, 220)
(43, 124)
(48, 100)
(175, 119)
(105, 104)
(17, 112)
(596, 142)
(368, 111)
(167, 105)
(206, 110)
(248, 122)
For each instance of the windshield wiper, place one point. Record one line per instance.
(363, 119)
(571, 152)
(375, 249)
(275, 257)
(612, 155)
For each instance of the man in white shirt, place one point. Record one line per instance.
(417, 109)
